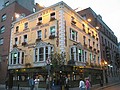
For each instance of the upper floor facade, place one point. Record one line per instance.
(57, 28)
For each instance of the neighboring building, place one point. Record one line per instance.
(108, 41)
(7, 16)
(55, 29)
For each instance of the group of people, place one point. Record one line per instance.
(34, 83)
(84, 84)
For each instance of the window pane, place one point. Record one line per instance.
(22, 61)
(36, 52)
(52, 30)
(1, 41)
(46, 51)
(2, 29)
(41, 54)
(26, 25)
(4, 17)
(39, 34)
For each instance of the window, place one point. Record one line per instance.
(77, 53)
(16, 56)
(4, 17)
(84, 39)
(73, 35)
(16, 40)
(80, 55)
(34, 9)
(17, 29)
(91, 57)
(89, 41)
(52, 30)
(42, 52)
(52, 16)
(39, 33)
(25, 38)
(72, 54)
(85, 56)
(7, 3)
(26, 25)
(22, 60)
(2, 29)
(40, 19)
(1, 41)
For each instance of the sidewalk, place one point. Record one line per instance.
(94, 87)
(97, 86)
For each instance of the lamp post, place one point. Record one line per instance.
(48, 62)
(105, 71)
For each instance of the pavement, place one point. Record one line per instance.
(94, 87)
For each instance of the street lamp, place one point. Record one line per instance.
(48, 62)
(105, 64)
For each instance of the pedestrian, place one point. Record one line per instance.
(31, 83)
(81, 84)
(101, 81)
(6, 84)
(47, 83)
(36, 82)
(66, 83)
(87, 83)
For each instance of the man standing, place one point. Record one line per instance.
(82, 85)
(31, 83)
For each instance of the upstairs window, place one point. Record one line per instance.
(39, 34)
(40, 19)
(26, 25)
(73, 35)
(25, 38)
(17, 57)
(16, 40)
(52, 16)
(1, 41)
(17, 29)
(7, 3)
(34, 9)
(3, 17)
(52, 30)
(2, 29)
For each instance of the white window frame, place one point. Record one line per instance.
(2, 29)
(39, 34)
(1, 41)
(55, 30)
(75, 35)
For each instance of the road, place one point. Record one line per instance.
(115, 87)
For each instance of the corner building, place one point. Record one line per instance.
(56, 29)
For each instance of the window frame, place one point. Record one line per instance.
(4, 17)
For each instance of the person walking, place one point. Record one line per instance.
(81, 84)
(36, 82)
(87, 83)
(31, 83)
